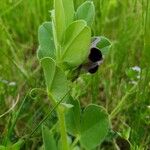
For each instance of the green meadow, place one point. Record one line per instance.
(121, 85)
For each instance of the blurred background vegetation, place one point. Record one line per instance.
(123, 90)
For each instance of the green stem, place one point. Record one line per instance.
(115, 145)
(75, 142)
(121, 103)
(95, 87)
(62, 127)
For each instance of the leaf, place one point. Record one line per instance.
(86, 11)
(76, 43)
(45, 36)
(64, 14)
(48, 139)
(91, 127)
(69, 11)
(56, 80)
(72, 117)
(59, 20)
(94, 126)
(104, 45)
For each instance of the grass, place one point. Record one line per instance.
(126, 23)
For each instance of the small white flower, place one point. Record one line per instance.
(12, 84)
(136, 68)
(133, 82)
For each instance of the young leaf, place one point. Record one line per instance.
(104, 45)
(94, 126)
(69, 11)
(56, 80)
(59, 21)
(48, 139)
(73, 117)
(45, 36)
(64, 14)
(87, 12)
(76, 43)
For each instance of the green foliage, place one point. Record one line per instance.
(75, 49)
(146, 20)
(48, 139)
(91, 126)
(59, 21)
(15, 146)
(68, 11)
(86, 11)
(2, 147)
(104, 44)
(64, 14)
(46, 41)
(72, 49)
(73, 117)
(54, 77)
(125, 23)
(94, 126)
(133, 73)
